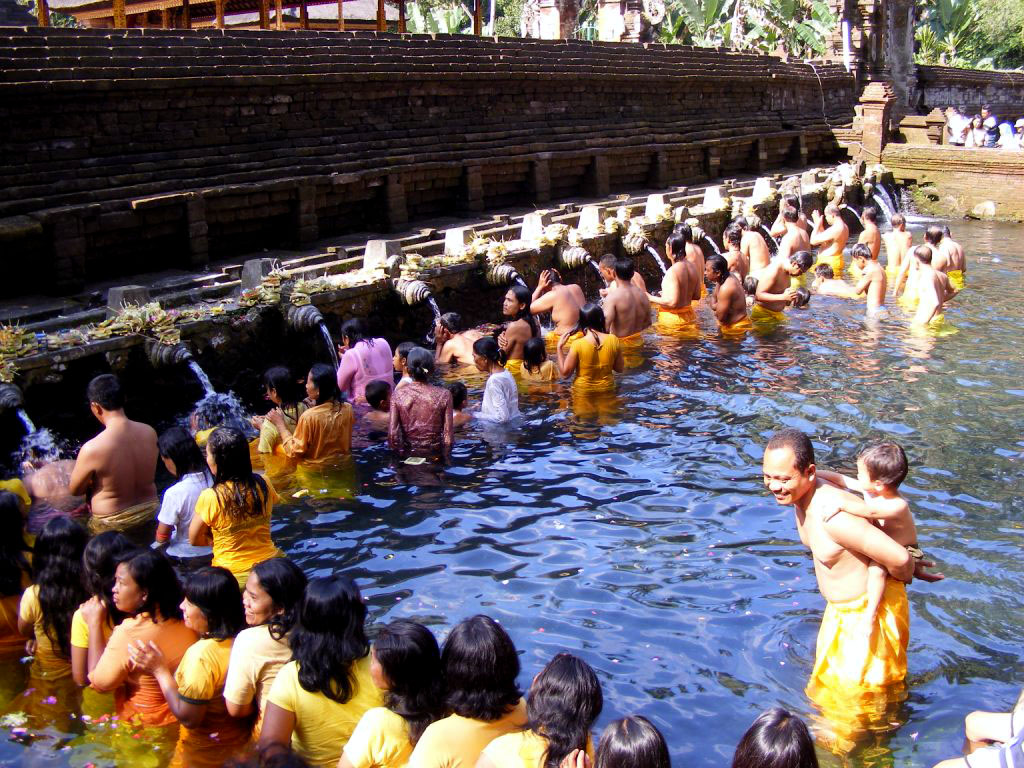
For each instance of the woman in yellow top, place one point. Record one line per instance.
(405, 663)
(14, 572)
(194, 691)
(563, 703)
(235, 513)
(47, 606)
(271, 600)
(593, 354)
(325, 429)
(480, 666)
(95, 619)
(318, 697)
(537, 369)
(285, 393)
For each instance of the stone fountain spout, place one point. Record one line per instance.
(501, 275)
(11, 398)
(304, 318)
(412, 292)
(164, 355)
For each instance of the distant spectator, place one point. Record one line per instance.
(1018, 133)
(957, 124)
(1006, 138)
(991, 123)
(976, 134)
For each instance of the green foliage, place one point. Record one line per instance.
(56, 19)
(510, 13)
(438, 18)
(979, 34)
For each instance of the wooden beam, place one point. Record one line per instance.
(280, 20)
(120, 20)
(478, 23)
(186, 16)
(305, 15)
(219, 5)
(165, 18)
(264, 15)
(341, 15)
(401, 16)
(382, 23)
(43, 10)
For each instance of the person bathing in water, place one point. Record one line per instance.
(521, 326)
(561, 300)
(870, 237)
(738, 264)
(627, 310)
(693, 255)
(675, 305)
(897, 244)
(752, 244)
(933, 289)
(831, 239)
(728, 300)
(774, 292)
(454, 343)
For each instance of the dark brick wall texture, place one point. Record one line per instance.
(969, 89)
(124, 151)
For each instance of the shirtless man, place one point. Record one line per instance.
(872, 278)
(794, 236)
(947, 256)
(957, 260)
(734, 256)
(832, 239)
(826, 284)
(753, 247)
(116, 468)
(728, 301)
(562, 301)
(842, 546)
(675, 305)
(774, 293)
(933, 288)
(897, 243)
(452, 343)
(607, 267)
(779, 227)
(627, 310)
(694, 259)
(870, 237)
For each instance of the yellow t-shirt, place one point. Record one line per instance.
(238, 545)
(380, 740)
(522, 749)
(80, 630)
(456, 741)
(50, 663)
(270, 438)
(15, 486)
(323, 726)
(200, 677)
(256, 658)
(544, 374)
(595, 371)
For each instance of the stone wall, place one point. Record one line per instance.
(126, 151)
(969, 89)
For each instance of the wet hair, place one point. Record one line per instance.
(824, 271)
(421, 363)
(287, 387)
(923, 254)
(793, 201)
(178, 445)
(480, 667)
(676, 245)
(591, 319)
(802, 298)
(555, 276)
(741, 222)
(750, 285)
(329, 637)
(886, 463)
(870, 213)
(59, 575)
(272, 755)
(459, 393)
(562, 704)
(99, 561)
(214, 591)
(524, 296)
(777, 739)
(356, 329)
(608, 261)
(624, 268)
(153, 572)
(985, 108)
(933, 235)
(105, 390)
(898, 220)
(802, 260)
(535, 352)
(13, 563)
(632, 742)
(790, 214)
(377, 392)
(248, 493)
(796, 441)
(684, 231)
(402, 350)
(719, 265)
(733, 235)
(452, 321)
(832, 208)
(325, 379)
(861, 251)
(285, 583)
(487, 347)
(411, 661)
(946, 232)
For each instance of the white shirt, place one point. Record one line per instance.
(501, 398)
(178, 505)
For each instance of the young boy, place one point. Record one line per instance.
(399, 362)
(378, 395)
(459, 396)
(880, 470)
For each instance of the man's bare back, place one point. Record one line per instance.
(562, 301)
(756, 251)
(871, 238)
(872, 284)
(897, 244)
(456, 348)
(729, 302)
(116, 468)
(933, 290)
(794, 240)
(773, 287)
(695, 260)
(957, 259)
(832, 240)
(676, 290)
(627, 310)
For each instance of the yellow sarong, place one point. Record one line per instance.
(835, 261)
(956, 278)
(679, 322)
(764, 319)
(203, 436)
(514, 366)
(125, 519)
(633, 350)
(737, 329)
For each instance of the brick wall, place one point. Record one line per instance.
(142, 149)
(969, 89)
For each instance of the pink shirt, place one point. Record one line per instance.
(365, 362)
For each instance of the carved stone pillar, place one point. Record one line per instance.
(876, 114)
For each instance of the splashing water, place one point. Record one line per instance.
(714, 246)
(597, 269)
(434, 308)
(204, 380)
(657, 257)
(38, 444)
(331, 349)
(881, 197)
(771, 242)
(223, 409)
(851, 208)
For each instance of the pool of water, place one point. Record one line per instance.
(639, 536)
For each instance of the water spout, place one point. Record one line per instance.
(503, 274)
(163, 355)
(771, 242)
(435, 309)
(412, 292)
(305, 318)
(37, 444)
(700, 236)
(200, 374)
(332, 350)
(884, 202)
(29, 426)
(10, 397)
(657, 257)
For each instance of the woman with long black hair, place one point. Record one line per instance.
(271, 600)
(318, 697)
(323, 430)
(405, 663)
(562, 705)
(184, 460)
(521, 326)
(15, 572)
(235, 512)
(287, 394)
(48, 605)
(363, 359)
(421, 413)
(593, 354)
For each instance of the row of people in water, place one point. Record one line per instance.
(284, 666)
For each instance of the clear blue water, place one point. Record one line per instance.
(643, 539)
